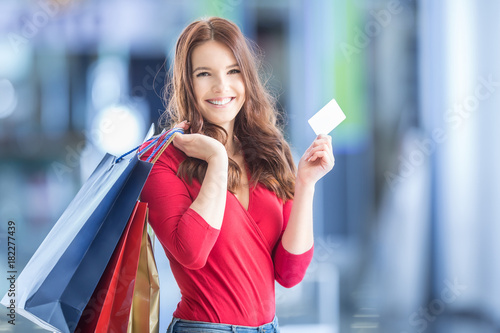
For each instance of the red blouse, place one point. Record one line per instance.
(227, 275)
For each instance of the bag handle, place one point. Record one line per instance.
(166, 137)
(169, 137)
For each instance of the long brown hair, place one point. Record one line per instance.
(266, 152)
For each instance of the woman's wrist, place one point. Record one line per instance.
(219, 157)
(220, 160)
(302, 185)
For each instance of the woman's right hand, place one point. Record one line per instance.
(198, 145)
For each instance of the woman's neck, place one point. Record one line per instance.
(232, 144)
(232, 147)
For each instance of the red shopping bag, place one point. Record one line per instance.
(109, 307)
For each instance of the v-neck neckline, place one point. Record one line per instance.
(249, 201)
(247, 171)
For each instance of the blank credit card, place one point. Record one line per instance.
(326, 119)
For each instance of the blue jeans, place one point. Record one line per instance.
(184, 326)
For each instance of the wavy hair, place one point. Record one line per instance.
(266, 152)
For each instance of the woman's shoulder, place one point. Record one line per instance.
(172, 156)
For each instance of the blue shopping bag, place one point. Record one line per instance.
(58, 281)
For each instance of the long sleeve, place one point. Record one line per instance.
(289, 268)
(180, 229)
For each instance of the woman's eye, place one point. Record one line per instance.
(234, 71)
(202, 74)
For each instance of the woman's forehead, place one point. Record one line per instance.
(212, 53)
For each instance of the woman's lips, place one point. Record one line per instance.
(220, 101)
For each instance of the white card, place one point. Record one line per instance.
(326, 119)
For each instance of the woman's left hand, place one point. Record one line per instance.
(317, 160)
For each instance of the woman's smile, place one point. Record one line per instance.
(220, 102)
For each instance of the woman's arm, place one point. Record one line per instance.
(316, 162)
(298, 235)
(188, 229)
(211, 200)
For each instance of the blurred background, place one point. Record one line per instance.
(405, 224)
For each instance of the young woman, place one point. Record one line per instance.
(230, 209)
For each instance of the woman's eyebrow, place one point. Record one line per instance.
(208, 68)
(201, 69)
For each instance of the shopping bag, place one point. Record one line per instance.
(109, 307)
(136, 281)
(144, 315)
(58, 281)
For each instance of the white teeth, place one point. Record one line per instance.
(224, 101)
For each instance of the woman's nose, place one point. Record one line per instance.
(220, 84)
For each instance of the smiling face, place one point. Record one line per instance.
(217, 83)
